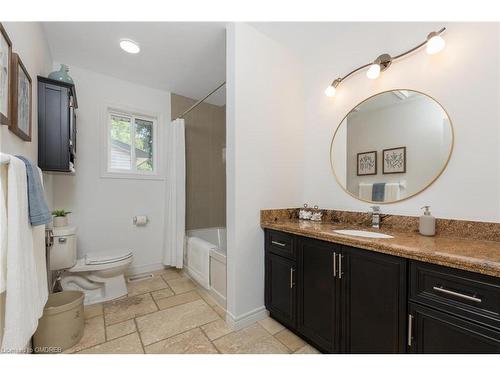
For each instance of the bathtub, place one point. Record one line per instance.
(206, 260)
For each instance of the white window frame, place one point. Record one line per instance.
(106, 170)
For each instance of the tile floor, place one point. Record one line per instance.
(170, 314)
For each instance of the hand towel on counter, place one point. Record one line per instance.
(38, 210)
(365, 191)
(392, 190)
(26, 284)
(378, 192)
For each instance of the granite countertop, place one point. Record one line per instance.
(481, 256)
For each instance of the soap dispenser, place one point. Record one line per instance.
(427, 225)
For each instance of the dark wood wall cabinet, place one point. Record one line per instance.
(342, 299)
(56, 125)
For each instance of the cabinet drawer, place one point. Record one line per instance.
(280, 243)
(467, 294)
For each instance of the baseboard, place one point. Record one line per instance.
(219, 298)
(136, 270)
(247, 319)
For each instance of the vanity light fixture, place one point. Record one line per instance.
(130, 46)
(434, 43)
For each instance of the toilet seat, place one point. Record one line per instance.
(97, 258)
(101, 262)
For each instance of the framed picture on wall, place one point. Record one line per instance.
(5, 66)
(367, 163)
(394, 160)
(20, 121)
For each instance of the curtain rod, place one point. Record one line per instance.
(199, 102)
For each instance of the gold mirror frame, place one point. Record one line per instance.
(419, 191)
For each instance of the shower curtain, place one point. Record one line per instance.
(175, 209)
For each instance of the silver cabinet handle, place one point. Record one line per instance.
(340, 266)
(278, 243)
(291, 277)
(455, 294)
(410, 329)
(62, 240)
(334, 264)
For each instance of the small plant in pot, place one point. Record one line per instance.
(60, 218)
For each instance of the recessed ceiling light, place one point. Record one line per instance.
(129, 46)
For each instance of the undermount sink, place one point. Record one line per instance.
(362, 233)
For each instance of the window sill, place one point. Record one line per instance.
(133, 176)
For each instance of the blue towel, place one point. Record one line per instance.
(37, 205)
(378, 192)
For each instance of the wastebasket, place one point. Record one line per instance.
(61, 325)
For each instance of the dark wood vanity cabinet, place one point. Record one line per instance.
(347, 300)
(317, 317)
(343, 299)
(56, 125)
(280, 289)
(372, 302)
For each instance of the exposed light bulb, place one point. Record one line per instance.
(330, 91)
(373, 71)
(129, 46)
(435, 44)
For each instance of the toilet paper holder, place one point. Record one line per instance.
(140, 220)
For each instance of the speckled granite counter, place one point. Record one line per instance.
(476, 255)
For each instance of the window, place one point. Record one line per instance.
(131, 144)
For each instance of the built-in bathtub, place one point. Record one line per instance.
(206, 260)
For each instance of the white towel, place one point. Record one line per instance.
(392, 190)
(26, 266)
(3, 226)
(198, 260)
(365, 191)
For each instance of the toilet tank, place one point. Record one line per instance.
(63, 251)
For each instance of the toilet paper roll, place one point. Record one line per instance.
(140, 220)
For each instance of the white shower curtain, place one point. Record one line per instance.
(175, 209)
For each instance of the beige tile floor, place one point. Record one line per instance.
(170, 314)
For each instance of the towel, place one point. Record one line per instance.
(26, 282)
(38, 210)
(3, 228)
(365, 191)
(378, 192)
(392, 190)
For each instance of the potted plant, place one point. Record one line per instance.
(60, 218)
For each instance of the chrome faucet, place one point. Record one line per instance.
(375, 217)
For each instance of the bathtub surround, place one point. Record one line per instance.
(175, 203)
(103, 208)
(205, 166)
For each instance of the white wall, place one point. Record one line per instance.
(464, 78)
(264, 156)
(103, 208)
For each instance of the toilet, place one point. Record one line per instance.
(99, 275)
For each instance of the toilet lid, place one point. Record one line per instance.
(98, 258)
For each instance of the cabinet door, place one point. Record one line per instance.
(280, 288)
(373, 303)
(53, 127)
(435, 332)
(316, 318)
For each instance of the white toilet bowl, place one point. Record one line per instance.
(100, 277)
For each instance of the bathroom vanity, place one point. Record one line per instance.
(408, 294)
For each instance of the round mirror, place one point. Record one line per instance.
(391, 146)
